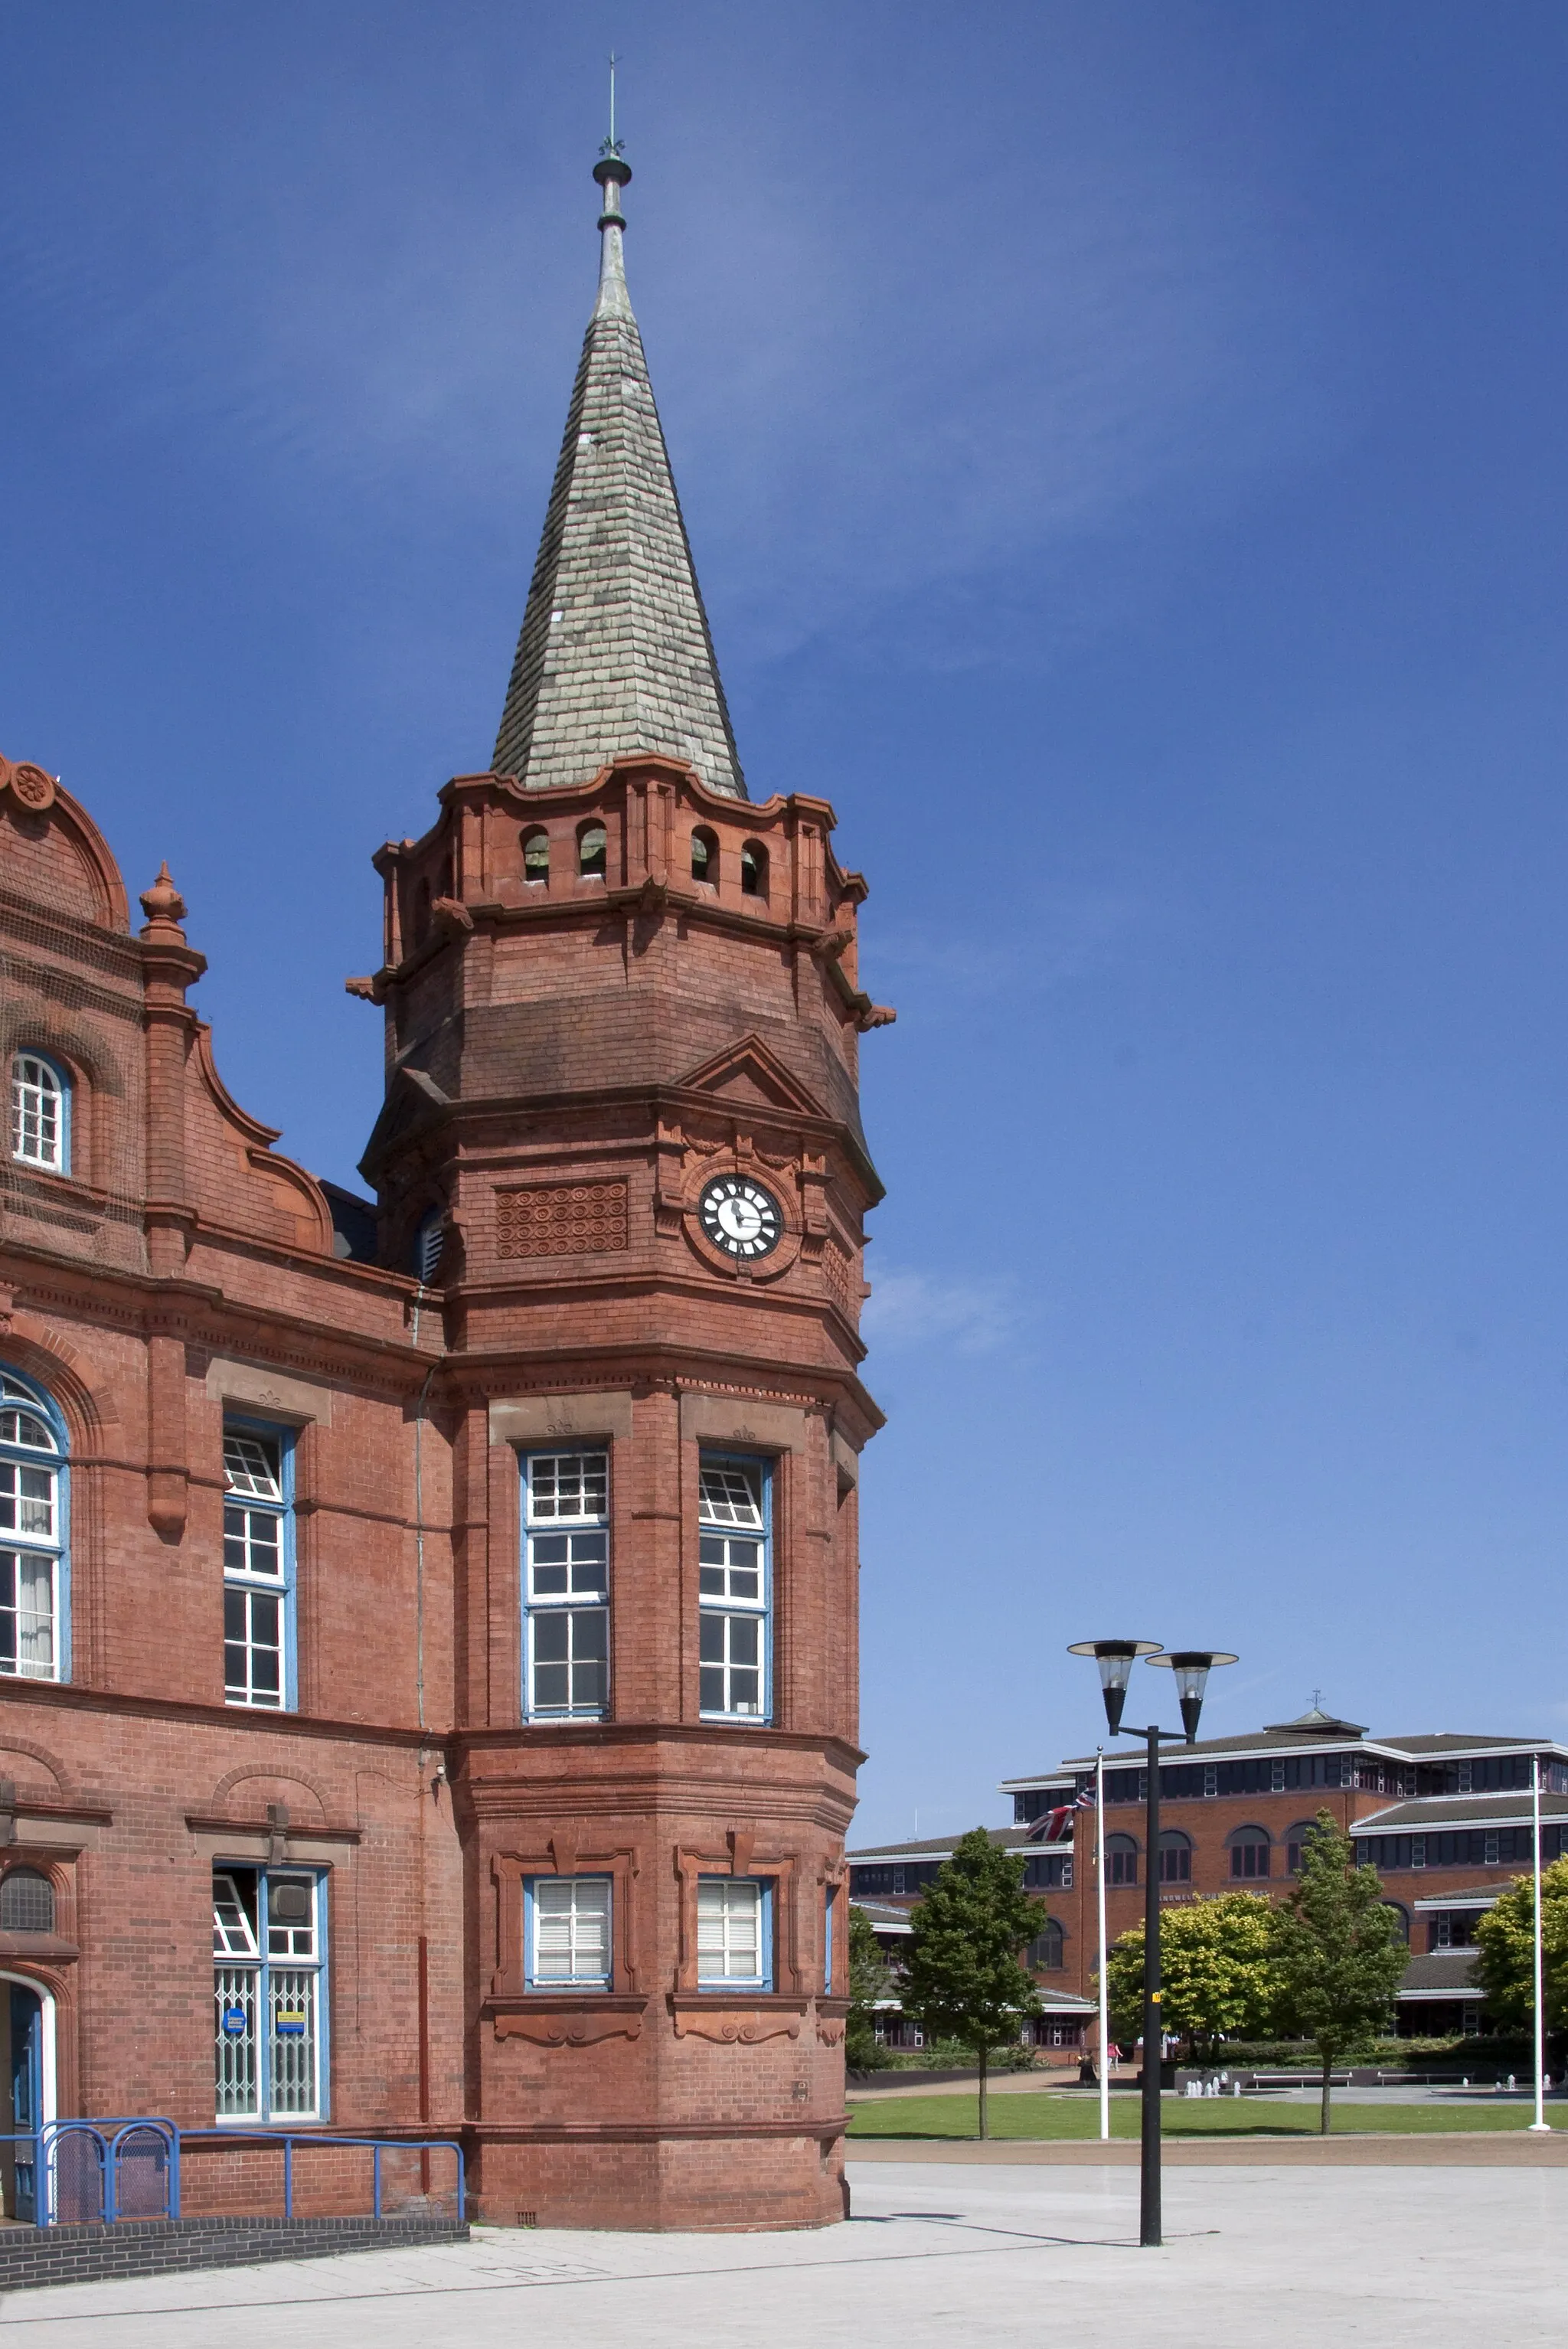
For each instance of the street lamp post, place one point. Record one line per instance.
(1191, 1667)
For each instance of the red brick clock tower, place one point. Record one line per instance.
(621, 1144)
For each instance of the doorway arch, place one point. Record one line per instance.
(27, 2097)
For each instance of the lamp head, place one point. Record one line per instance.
(1191, 1667)
(1116, 1658)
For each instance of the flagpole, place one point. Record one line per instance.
(1541, 2121)
(1104, 1984)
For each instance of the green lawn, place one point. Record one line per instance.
(1047, 2115)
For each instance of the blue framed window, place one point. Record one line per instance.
(40, 1113)
(735, 1576)
(258, 1564)
(566, 1585)
(269, 1988)
(734, 1932)
(566, 1932)
(829, 1918)
(35, 1581)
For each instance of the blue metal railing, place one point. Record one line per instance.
(289, 2138)
(111, 2163)
(108, 2164)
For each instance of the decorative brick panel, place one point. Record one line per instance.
(561, 1219)
(843, 1285)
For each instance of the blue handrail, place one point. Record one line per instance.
(289, 2138)
(110, 2134)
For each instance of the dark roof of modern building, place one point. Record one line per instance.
(1446, 1972)
(1428, 1813)
(1286, 1737)
(1318, 1723)
(1453, 1741)
(885, 1916)
(615, 656)
(937, 1846)
(1473, 1896)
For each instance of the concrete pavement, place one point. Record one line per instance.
(937, 2253)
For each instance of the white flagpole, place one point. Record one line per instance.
(1104, 1984)
(1541, 2121)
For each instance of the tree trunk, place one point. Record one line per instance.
(984, 2114)
(1323, 2120)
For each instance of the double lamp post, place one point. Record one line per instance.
(1191, 1667)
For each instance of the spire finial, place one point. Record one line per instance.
(612, 171)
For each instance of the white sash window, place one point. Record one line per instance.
(32, 1532)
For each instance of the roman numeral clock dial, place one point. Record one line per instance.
(740, 1217)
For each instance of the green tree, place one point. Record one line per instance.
(963, 1980)
(1505, 1951)
(870, 1981)
(1216, 1967)
(1340, 1952)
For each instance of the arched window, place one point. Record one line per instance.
(593, 851)
(32, 1530)
(1046, 1951)
(1251, 1850)
(705, 855)
(1120, 1860)
(40, 1113)
(27, 1902)
(754, 869)
(1175, 1856)
(1295, 1845)
(536, 855)
(1402, 1918)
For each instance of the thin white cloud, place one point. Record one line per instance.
(888, 398)
(1066, 933)
(910, 1310)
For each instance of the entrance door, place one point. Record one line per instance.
(26, 2035)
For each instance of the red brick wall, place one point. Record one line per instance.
(647, 1034)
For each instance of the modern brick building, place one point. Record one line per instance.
(1445, 1819)
(428, 1623)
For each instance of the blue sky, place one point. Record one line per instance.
(1124, 447)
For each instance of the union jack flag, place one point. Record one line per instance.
(1056, 1826)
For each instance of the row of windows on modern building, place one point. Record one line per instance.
(1290, 1774)
(270, 2037)
(566, 1599)
(1252, 1856)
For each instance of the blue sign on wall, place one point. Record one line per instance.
(237, 2023)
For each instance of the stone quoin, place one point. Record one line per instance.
(427, 1620)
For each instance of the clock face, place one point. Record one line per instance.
(740, 1217)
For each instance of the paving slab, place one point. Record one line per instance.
(935, 2254)
(1455, 2149)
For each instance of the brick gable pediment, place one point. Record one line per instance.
(748, 1072)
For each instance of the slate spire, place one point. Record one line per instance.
(614, 655)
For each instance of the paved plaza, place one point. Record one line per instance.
(935, 2253)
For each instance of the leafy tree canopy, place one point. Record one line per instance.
(963, 1980)
(870, 1981)
(1505, 1961)
(1341, 1951)
(1216, 1965)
